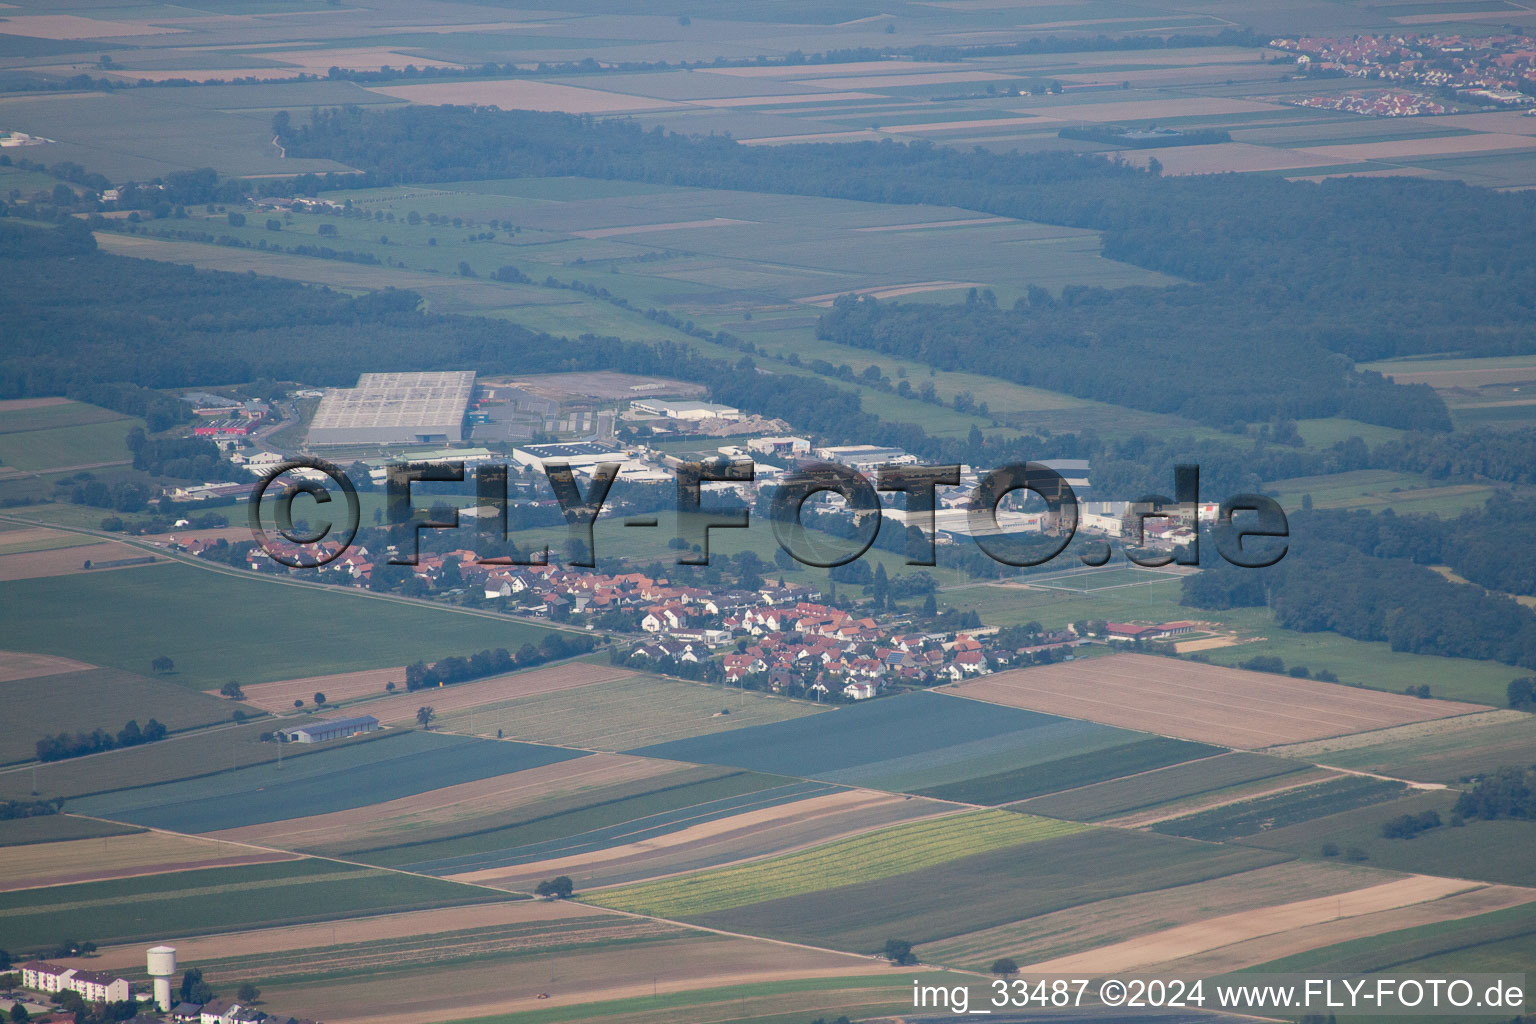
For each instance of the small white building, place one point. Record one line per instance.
(674, 409)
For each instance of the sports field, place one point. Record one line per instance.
(1203, 702)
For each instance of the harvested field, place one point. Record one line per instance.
(1086, 927)
(632, 710)
(1221, 157)
(1328, 929)
(521, 94)
(193, 949)
(1205, 703)
(31, 565)
(762, 833)
(1396, 149)
(278, 697)
(889, 291)
(875, 855)
(40, 538)
(71, 26)
(640, 229)
(1143, 110)
(477, 694)
(143, 853)
(623, 972)
(25, 665)
(1202, 937)
(445, 811)
(20, 404)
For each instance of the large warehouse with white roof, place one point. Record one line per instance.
(395, 408)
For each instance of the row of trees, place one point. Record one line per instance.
(551, 647)
(78, 744)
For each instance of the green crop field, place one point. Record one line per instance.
(217, 626)
(614, 811)
(1163, 785)
(53, 543)
(1491, 851)
(52, 417)
(985, 890)
(1496, 942)
(98, 699)
(629, 713)
(872, 856)
(905, 743)
(1445, 754)
(56, 828)
(1278, 810)
(218, 899)
(201, 753)
(355, 775)
(1072, 771)
(65, 447)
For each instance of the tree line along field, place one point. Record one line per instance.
(390, 767)
(98, 699)
(197, 754)
(218, 899)
(872, 856)
(183, 612)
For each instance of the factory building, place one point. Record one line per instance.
(395, 408)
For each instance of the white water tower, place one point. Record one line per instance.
(162, 967)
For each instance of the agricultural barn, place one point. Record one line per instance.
(329, 729)
(395, 408)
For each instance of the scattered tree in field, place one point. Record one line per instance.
(559, 888)
(193, 988)
(389, 687)
(232, 690)
(1406, 826)
(1522, 693)
(1005, 967)
(899, 952)
(424, 716)
(298, 702)
(1357, 855)
(1330, 849)
(319, 699)
(162, 666)
(247, 993)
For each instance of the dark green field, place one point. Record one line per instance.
(989, 889)
(1072, 771)
(56, 828)
(1139, 792)
(218, 627)
(1277, 810)
(396, 765)
(99, 699)
(217, 899)
(1490, 851)
(1504, 940)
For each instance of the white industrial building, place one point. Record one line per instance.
(575, 454)
(395, 408)
(674, 409)
(865, 457)
(779, 445)
(329, 729)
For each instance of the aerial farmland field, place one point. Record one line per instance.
(1204, 702)
(220, 899)
(387, 768)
